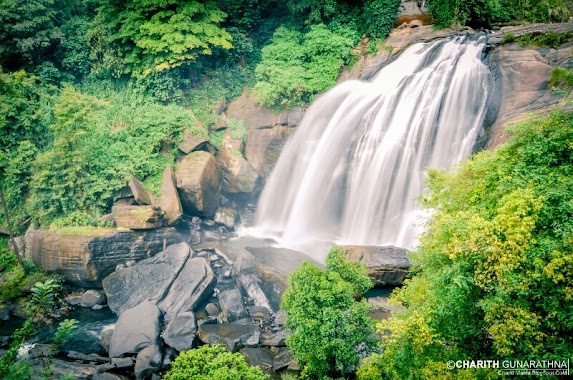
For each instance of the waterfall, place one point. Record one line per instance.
(354, 169)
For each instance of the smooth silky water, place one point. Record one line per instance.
(354, 170)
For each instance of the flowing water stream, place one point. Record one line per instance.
(354, 170)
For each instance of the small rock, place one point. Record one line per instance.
(122, 362)
(93, 297)
(87, 358)
(260, 313)
(212, 309)
(105, 339)
(283, 359)
(233, 336)
(169, 354)
(280, 318)
(141, 194)
(109, 376)
(231, 302)
(98, 307)
(147, 362)
(227, 217)
(277, 339)
(74, 299)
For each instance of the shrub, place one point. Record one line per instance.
(212, 362)
(106, 137)
(495, 265)
(561, 78)
(329, 326)
(44, 297)
(296, 66)
(379, 16)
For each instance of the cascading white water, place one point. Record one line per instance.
(354, 168)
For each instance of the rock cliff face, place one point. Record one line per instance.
(84, 257)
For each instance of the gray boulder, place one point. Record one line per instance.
(283, 359)
(231, 302)
(136, 329)
(147, 362)
(169, 200)
(277, 339)
(387, 266)
(148, 280)
(92, 297)
(194, 283)
(259, 356)
(232, 336)
(181, 332)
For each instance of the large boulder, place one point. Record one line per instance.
(85, 255)
(387, 266)
(138, 217)
(232, 336)
(194, 283)
(136, 329)
(198, 183)
(181, 332)
(148, 280)
(169, 200)
(172, 280)
(268, 132)
(238, 176)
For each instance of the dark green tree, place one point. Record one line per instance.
(155, 36)
(330, 327)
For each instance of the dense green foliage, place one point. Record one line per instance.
(561, 78)
(487, 12)
(546, 39)
(212, 362)
(495, 275)
(331, 329)
(296, 66)
(162, 35)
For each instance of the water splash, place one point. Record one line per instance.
(356, 165)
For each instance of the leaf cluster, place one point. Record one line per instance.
(329, 326)
(212, 362)
(494, 269)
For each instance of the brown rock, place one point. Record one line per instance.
(264, 147)
(85, 255)
(237, 174)
(192, 143)
(141, 194)
(523, 87)
(198, 182)
(246, 108)
(386, 265)
(138, 217)
(169, 201)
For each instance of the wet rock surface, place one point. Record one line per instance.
(387, 266)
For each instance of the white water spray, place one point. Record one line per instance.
(356, 165)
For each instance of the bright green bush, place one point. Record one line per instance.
(495, 267)
(329, 326)
(296, 66)
(561, 78)
(100, 141)
(212, 362)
